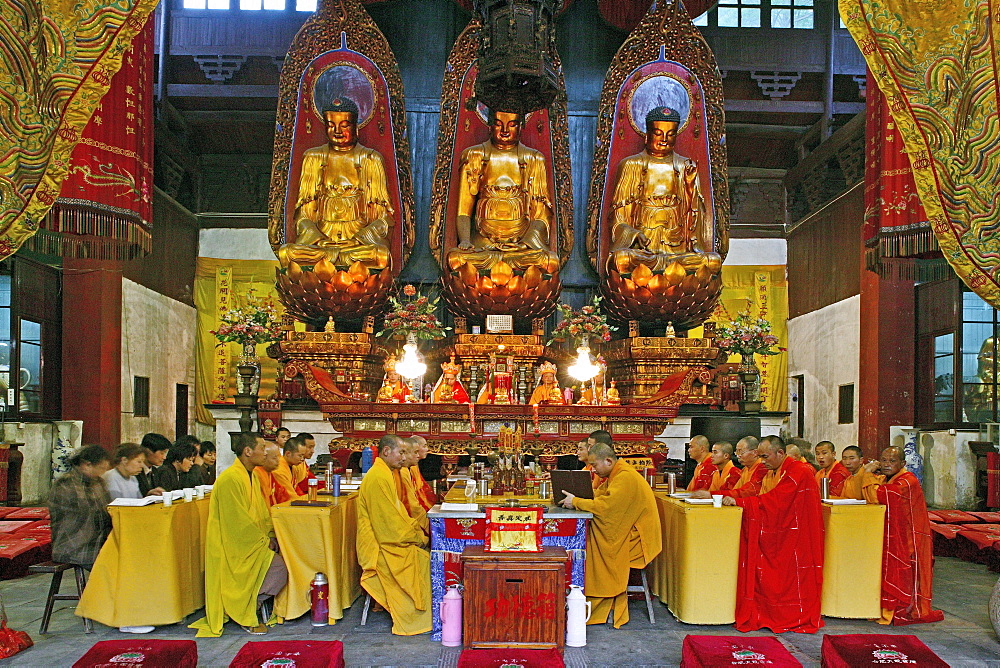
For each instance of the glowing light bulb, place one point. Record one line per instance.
(583, 369)
(409, 365)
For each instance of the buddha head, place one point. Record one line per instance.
(547, 372)
(505, 129)
(661, 131)
(341, 117)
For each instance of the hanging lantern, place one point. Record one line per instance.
(516, 71)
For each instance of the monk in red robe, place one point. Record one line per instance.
(726, 474)
(699, 451)
(907, 555)
(830, 468)
(781, 549)
(751, 476)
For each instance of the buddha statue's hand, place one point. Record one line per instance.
(465, 245)
(642, 240)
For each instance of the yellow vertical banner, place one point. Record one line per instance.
(223, 302)
(761, 298)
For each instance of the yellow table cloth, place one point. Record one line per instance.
(695, 573)
(852, 561)
(151, 570)
(316, 539)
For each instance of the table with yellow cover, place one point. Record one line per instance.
(695, 573)
(852, 560)
(318, 539)
(168, 540)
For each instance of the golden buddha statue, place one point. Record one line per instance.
(343, 214)
(548, 391)
(979, 396)
(659, 215)
(612, 397)
(449, 389)
(504, 203)
(393, 390)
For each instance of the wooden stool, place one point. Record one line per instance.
(57, 570)
(644, 590)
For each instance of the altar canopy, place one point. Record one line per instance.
(936, 64)
(59, 62)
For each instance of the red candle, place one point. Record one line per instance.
(534, 416)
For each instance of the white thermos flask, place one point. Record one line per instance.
(577, 615)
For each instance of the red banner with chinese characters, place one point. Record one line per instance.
(105, 208)
(895, 224)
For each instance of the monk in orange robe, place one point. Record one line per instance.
(699, 450)
(830, 468)
(272, 493)
(425, 494)
(781, 549)
(907, 554)
(751, 475)
(726, 474)
(301, 473)
(863, 482)
(290, 458)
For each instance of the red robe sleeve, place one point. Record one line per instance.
(781, 556)
(907, 554)
(702, 475)
(838, 476)
(732, 478)
(751, 488)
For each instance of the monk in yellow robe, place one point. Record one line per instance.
(864, 482)
(726, 474)
(407, 489)
(242, 566)
(268, 485)
(301, 473)
(624, 533)
(425, 494)
(548, 391)
(284, 477)
(392, 548)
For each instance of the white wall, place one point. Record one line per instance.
(823, 346)
(760, 252)
(235, 244)
(158, 342)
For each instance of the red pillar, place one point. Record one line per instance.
(92, 349)
(886, 369)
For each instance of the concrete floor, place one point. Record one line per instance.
(962, 590)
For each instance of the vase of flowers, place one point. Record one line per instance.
(256, 321)
(583, 324)
(413, 316)
(747, 336)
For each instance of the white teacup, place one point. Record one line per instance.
(168, 499)
(189, 493)
(717, 500)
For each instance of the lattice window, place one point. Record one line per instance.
(792, 14)
(206, 4)
(738, 13)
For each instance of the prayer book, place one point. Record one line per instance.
(145, 501)
(699, 502)
(845, 502)
(466, 507)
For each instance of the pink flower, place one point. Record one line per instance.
(607, 336)
(409, 290)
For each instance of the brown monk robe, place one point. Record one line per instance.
(624, 533)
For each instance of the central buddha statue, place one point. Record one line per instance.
(504, 203)
(342, 213)
(659, 215)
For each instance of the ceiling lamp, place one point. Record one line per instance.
(409, 365)
(583, 369)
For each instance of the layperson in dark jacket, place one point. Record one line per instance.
(180, 459)
(155, 447)
(78, 508)
(196, 474)
(208, 455)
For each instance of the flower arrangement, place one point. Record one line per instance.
(257, 321)
(413, 316)
(587, 322)
(747, 336)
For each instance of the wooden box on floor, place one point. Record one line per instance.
(514, 599)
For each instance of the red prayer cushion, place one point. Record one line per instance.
(11, 546)
(951, 516)
(11, 527)
(304, 653)
(981, 527)
(877, 649)
(947, 530)
(29, 514)
(7, 510)
(712, 651)
(140, 652)
(992, 518)
(37, 526)
(507, 656)
(982, 539)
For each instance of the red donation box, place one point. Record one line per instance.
(515, 599)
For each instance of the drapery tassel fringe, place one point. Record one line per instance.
(87, 230)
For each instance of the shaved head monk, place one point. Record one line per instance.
(750, 477)
(301, 474)
(405, 487)
(781, 549)
(425, 494)
(907, 554)
(624, 533)
(863, 481)
(392, 547)
(700, 451)
(293, 454)
(272, 493)
(726, 474)
(830, 468)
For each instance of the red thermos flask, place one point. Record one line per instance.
(319, 594)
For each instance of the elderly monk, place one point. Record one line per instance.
(301, 473)
(830, 468)
(293, 454)
(699, 451)
(624, 533)
(273, 494)
(908, 553)
(726, 474)
(753, 471)
(425, 494)
(406, 490)
(863, 482)
(392, 548)
(242, 566)
(781, 549)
